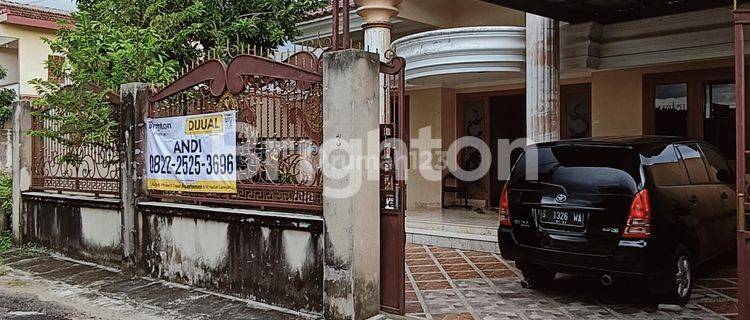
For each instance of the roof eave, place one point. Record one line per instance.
(29, 22)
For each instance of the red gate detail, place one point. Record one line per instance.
(393, 160)
(279, 107)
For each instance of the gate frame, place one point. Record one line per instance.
(741, 19)
(392, 219)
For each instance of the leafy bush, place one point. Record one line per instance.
(6, 240)
(6, 193)
(111, 42)
(7, 96)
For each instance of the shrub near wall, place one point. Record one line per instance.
(6, 201)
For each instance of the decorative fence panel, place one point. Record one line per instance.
(95, 171)
(279, 107)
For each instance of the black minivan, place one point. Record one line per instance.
(646, 207)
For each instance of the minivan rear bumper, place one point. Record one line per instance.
(636, 259)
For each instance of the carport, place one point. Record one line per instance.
(612, 11)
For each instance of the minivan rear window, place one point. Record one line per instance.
(581, 169)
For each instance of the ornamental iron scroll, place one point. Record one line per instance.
(279, 107)
(97, 167)
(393, 135)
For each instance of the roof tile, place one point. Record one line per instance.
(32, 11)
(328, 10)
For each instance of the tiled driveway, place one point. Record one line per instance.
(447, 283)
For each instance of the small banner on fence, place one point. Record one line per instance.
(193, 153)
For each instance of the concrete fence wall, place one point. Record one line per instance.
(80, 227)
(323, 264)
(270, 257)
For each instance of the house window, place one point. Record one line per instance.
(54, 69)
(719, 110)
(670, 109)
(698, 104)
(575, 111)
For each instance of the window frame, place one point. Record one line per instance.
(565, 92)
(695, 80)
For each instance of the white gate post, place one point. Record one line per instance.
(351, 203)
(22, 154)
(133, 112)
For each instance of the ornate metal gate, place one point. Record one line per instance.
(393, 163)
(279, 107)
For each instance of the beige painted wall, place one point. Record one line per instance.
(617, 96)
(32, 53)
(519, 85)
(425, 110)
(481, 13)
(459, 13)
(9, 61)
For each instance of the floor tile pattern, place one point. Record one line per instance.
(454, 284)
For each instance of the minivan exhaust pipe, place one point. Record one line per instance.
(607, 280)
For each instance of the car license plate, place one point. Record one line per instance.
(561, 218)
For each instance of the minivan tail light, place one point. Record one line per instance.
(504, 208)
(639, 219)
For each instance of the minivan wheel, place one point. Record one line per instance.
(681, 279)
(536, 277)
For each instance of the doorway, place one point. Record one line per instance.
(507, 122)
(489, 116)
(502, 115)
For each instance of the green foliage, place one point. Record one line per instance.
(82, 117)
(7, 96)
(6, 208)
(6, 193)
(6, 240)
(111, 42)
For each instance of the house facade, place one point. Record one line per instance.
(23, 54)
(618, 75)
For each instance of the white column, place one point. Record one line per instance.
(377, 28)
(378, 38)
(377, 15)
(351, 201)
(542, 79)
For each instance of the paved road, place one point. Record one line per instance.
(442, 284)
(49, 287)
(454, 284)
(14, 305)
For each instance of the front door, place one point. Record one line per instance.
(473, 121)
(508, 122)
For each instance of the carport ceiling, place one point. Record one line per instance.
(609, 11)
